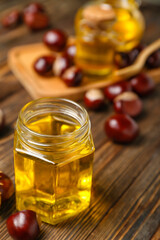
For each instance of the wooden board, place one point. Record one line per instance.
(125, 203)
(21, 61)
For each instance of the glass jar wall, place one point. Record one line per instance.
(53, 157)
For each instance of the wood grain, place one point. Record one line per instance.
(125, 201)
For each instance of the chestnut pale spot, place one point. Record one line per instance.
(94, 94)
(51, 37)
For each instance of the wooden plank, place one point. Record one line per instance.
(156, 236)
(106, 229)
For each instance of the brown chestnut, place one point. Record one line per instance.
(154, 60)
(2, 120)
(128, 103)
(121, 128)
(114, 90)
(36, 21)
(12, 19)
(124, 59)
(70, 51)
(142, 84)
(6, 187)
(94, 99)
(23, 225)
(72, 76)
(34, 8)
(55, 40)
(60, 64)
(43, 65)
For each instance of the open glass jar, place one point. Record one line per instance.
(53, 157)
(103, 27)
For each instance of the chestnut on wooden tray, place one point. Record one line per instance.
(70, 51)
(72, 76)
(61, 63)
(55, 40)
(43, 65)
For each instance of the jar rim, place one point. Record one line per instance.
(53, 100)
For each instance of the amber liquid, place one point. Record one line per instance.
(96, 48)
(57, 189)
(127, 30)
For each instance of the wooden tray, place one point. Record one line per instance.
(21, 60)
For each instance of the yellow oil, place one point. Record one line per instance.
(96, 47)
(128, 29)
(56, 189)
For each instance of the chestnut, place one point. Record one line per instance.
(34, 8)
(43, 65)
(72, 76)
(36, 21)
(12, 19)
(121, 59)
(153, 61)
(55, 40)
(6, 187)
(114, 90)
(94, 99)
(124, 59)
(142, 84)
(60, 64)
(121, 128)
(70, 51)
(128, 103)
(23, 225)
(2, 120)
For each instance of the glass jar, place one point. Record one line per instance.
(129, 25)
(103, 27)
(53, 158)
(95, 52)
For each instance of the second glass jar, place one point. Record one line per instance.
(103, 27)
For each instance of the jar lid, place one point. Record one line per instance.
(99, 13)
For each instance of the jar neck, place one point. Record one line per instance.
(46, 142)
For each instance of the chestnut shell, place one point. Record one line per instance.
(121, 128)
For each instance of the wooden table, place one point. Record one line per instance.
(126, 182)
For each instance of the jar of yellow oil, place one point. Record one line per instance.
(129, 25)
(95, 51)
(53, 158)
(103, 27)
